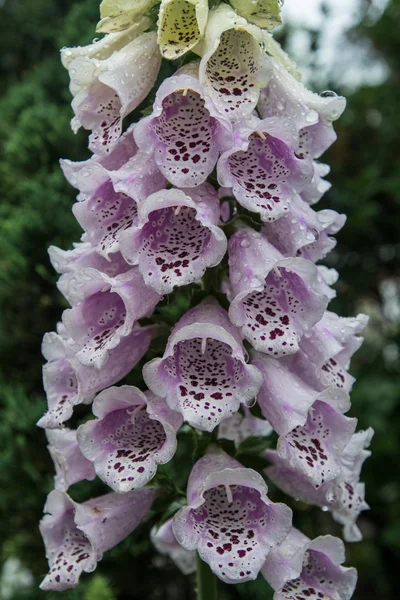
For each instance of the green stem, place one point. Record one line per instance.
(206, 581)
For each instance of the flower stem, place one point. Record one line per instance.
(206, 581)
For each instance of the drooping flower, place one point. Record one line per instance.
(229, 518)
(240, 427)
(67, 382)
(343, 496)
(109, 79)
(304, 232)
(77, 535)
(203, 373)
(181, 25)
(83, 256)
(118, 15)
(104, 310)
(70, 464)
(133, 433)
(264, 13)
(184, 133)
(166, 543)
(176, 237)
(275, 299)
(233, 67)
(304, 568)
(263, 170)
(327, 348)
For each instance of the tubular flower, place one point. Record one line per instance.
(304, 232)
(84, 256)
(264, 13)
(67, 382)
(343, 496)
(77, 535)
(203, 373)
(110, 78)
(133, 433)
(229, 518)
(263, 170)
(104, 310)
(176, 237)
(181, 24)
(233, 67)
(275, 299)
(118, 15)
(184, 132)
(301, 567)
(70, 464)
(166, 543)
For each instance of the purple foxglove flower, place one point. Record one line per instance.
(109, 79)
(318, 186)
(166, 543)
(70, 464)
(181, 24)
(275, 298)
(83, 256)
(285, 397)
(304, 568)
(176, 237)
(133, 433)
(77, 535)
(325, 279)
(104, 310)
(118, 15)
(264, 13)
(229, 518)
(203, 373)
(309, 114)
(327, 349)
(67, 382)
(240, 427)
(263, 170)
(304, 232)
(343, 497)
(233, 67)
(184, 133)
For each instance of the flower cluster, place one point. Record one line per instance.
(211, 189)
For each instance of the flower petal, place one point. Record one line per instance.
(70, 464)
(181, 24)
(166, 543)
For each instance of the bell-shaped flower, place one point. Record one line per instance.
(70, 464)
(310, 115)
(343, 496)
(234, 66)
(104, 310)
(109, 79)
(176, 237)
(133, 433)
(325, 279)
(318, 186)
(327, 348)
(184, 133)
(181, 25)
(239, 427)
(67, 382)
(203, 373)
(229, 518)
(264, 13)
(84, 255)
(263, 170)
(304, 568)
(166, 543)
(285, 397)
(118, 15)
(304, 232)
(275, 298)
(77, 535)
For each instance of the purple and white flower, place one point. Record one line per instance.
(133, 433)
(166, 543)
(70, 464)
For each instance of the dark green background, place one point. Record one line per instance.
(35, 211)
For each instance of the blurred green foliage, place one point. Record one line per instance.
(35, 211)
